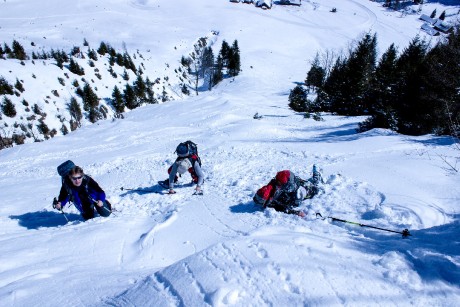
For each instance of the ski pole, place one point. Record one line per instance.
(405, 233)
(127, 189)
(60, 209)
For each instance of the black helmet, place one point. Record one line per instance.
(182, 150)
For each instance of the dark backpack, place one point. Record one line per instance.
(64, 169)
(188, 149)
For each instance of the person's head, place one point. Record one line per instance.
(76, 176)
(182, 150)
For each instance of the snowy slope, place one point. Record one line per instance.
(220, 249)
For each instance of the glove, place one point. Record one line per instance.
(56, 204)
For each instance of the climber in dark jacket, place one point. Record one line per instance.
(83, 191)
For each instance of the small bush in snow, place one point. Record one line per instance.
(8, 107)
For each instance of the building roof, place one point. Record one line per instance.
(427, 19)
(442, 26)
(429, 29)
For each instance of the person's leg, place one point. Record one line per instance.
(105, 210)
(87, 215)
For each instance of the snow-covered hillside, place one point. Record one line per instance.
(220, 249)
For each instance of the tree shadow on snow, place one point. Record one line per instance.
(431, 252)
(438, 141)
(248, 207)
(38, 219)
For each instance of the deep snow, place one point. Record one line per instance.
(220, 249)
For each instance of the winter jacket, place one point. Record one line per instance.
(84, 197)
(195, 171)
(282, 193)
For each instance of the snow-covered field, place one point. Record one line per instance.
(219, 249)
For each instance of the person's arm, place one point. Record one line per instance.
(172, 176)
(199, 173)
(63, 198)
(95, 191)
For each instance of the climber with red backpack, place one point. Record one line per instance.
(287, 191)
(187, 161)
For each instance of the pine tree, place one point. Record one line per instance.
(7, 50)
(298, 99)
(225, 53)
(410, 113)
(443, 15)
(441, 85)
(186, 62)
(207, 67)
(90, 99)
(359, 71)
(128, 62)
(103, 49)
(64, 57)
(149, 92)
(92, 54)
(433, 14)
(117, 100)
(94, 115)
(5, 87)
(316, 74)
(43, 128)
(218, 75)
(119, 59)
(140, 89)
(348, 83)
(234, 65)
(75, 68)
(64, 129)
(18, 51)
(75, 111)
(381, 96)
(185, 90)
(125, 75)
(59, 61)
(8, 107)
(331, 96)
(76, 52)
(207, 61)
(18, 85)
(129, 97)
